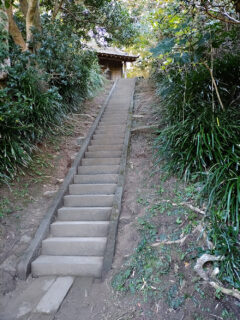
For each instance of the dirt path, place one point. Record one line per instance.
(150, 282)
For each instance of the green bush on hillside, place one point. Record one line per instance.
(202, 140)
(41, 88)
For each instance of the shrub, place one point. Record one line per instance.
(202, 140)
(27, 114)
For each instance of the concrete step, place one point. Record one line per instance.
(114, 117)
(108, 169)
(103, 154)
(79, 228)
(68, 266)
(107, 118)
(112, 122)
(100, 161)
(110, 131)
(109, 135)
(88, 200)
(74, 246)
(84, 214)
(111, 126)
(96, 178)
(92, 188)
(105, 141)
(113, 147)
(53, 298)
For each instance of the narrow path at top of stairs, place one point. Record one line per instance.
(77, 239)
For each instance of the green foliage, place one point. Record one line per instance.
(74, 71)
(56, 75)
(201, 126)
(28, 113)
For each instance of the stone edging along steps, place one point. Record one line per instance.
(87, 207)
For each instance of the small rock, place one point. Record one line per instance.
(7, 282)
(49, 194)
(9, 265)
(73, 156)
(59, 181)
(176, 268)
(80, 140)
(25, 239)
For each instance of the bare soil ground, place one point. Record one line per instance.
(24, 202)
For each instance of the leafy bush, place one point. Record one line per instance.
(27, 114)
(202, 140)
(73, 70)
(41, 88)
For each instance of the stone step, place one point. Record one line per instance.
(114, 117)
(96, 178)
(109, 141)
(53, 298)
(92, 188)
(79, 228)
(74, 246)
(100, 161)
(107, 135)
(103, 154)
(108, 169)
(84, 214)
(80, 266)
(88, 200)
(112, 126)
(113, 147)
(110, 131)
(112, 122)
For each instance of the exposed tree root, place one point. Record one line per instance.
(201, 262)
(179, 241)
(86, 115)
(138, 116)
(145, 129)
(230, 292)
(186, 204)
(199, 269)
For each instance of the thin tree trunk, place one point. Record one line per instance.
(14, 30)
(4, 26)
(56, 8)
(24, 7)
(32, 20)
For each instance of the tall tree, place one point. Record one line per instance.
(4, 45)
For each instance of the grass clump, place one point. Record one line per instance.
(200, 141)
(41, 89)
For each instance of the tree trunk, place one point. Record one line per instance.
(24, 7)
(32, 20)
(14, 30)
(57, 7)
(4, 26)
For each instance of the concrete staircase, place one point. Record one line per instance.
(78, 237)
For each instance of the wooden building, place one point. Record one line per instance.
(114, 62)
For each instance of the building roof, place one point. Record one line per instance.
(112, 53)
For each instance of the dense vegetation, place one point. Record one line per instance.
(46, 69)
(197, 75)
